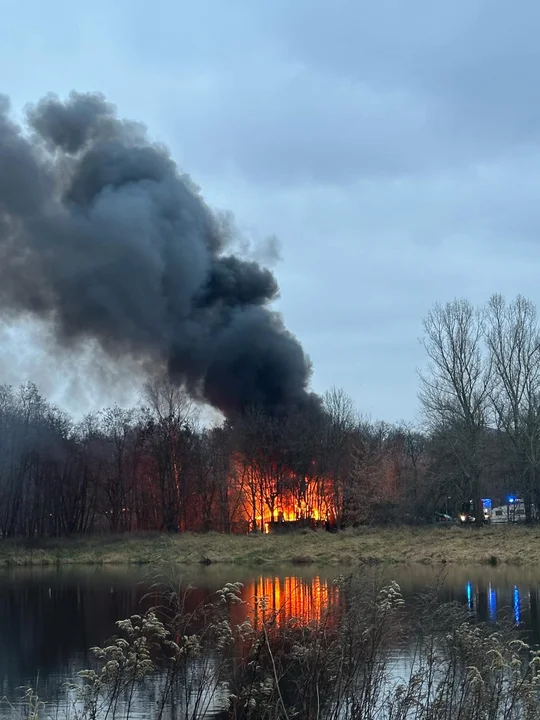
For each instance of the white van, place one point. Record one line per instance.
(511, 513)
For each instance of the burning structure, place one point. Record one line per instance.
(273, 499)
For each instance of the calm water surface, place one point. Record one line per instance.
(49, 618)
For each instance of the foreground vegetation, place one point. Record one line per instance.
(211, 657)
(431, 546)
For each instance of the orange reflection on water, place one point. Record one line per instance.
(288, 599)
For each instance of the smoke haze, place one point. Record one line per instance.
(103, 237)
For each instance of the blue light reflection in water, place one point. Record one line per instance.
(470, 595)
(517, 606)
(492, 603)
(489, 613)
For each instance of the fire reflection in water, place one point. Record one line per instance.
(286, 600)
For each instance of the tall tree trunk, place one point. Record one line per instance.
(527, 499)
(477, 503)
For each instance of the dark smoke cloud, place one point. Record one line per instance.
(103, 237)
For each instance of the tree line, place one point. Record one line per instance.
(155, 467)
(480, 394)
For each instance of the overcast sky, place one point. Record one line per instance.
(393, 148)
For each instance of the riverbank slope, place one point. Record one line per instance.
(430, 546)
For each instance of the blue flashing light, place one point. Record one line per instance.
(511, 499)
(517, 606)
(486, 502)
(469, 595)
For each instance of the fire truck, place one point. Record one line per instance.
(467, 516)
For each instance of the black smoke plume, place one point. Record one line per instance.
(102, 236)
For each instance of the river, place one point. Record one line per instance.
(50, 618)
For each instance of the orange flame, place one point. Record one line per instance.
(275, 494)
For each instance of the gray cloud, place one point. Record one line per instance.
(335, 93)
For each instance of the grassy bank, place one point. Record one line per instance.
(431, 546)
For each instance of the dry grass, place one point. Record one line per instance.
(430, 546)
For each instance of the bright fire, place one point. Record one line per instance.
(274, 494)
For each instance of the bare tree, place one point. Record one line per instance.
(414, 451)
(119, 471)
(455, 390)
(260, 466)
(342, 422)
(220, 450)
(361, 490)
(169, 401)
(513, 340)
(303, 439)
